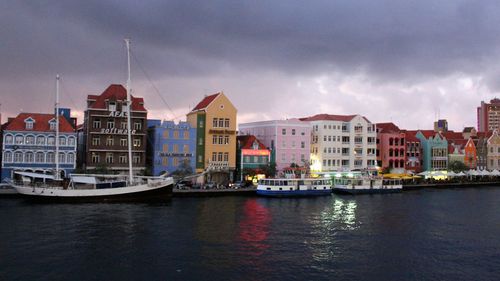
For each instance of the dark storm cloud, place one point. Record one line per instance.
(389, 41)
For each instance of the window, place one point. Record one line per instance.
(71, 141)
(124, 125)
(109, 158)
(219, 156)
(8, 139)
(214, 156)
(293, 132)
(136, 159)
(201, 124)
(214, 139)
(110, 141)
(283, 144)
(165, 134)
(176, 148)
(112, 106)
(283, 131)
(51, 140)
(18, 157)
(226, 122)
(50, 157)
(52, 125)
(302, 144)
(221, 122)
(186, 135)
(137, 142)
(138, 126)
(123, 142)
(175, 161)
(176, 134)
(62, 157)
(95, 157)
(39, 157)
(215, 122)
(19, 139)
(30, 140)
(29, 157)
(71, 158)
(96, 124)
(185, 148)
(226, 156)
(62, 141)
(29, 125)
(110, 124)
(221, 139)
(7, 157)
(226, 139)
(123, 159)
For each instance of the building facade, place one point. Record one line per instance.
(215, 121)
(171, 147)
(105, 132)
(434, 150)
(342, 143)
(391, 147)
(493, 161)
(413, 159)
(289, 140)
(488, 116)
(29, 144)
(251, 154)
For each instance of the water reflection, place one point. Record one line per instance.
(342, 213)
(254, 227)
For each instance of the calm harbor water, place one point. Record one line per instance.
(451, 234)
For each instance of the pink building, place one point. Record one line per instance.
(289, 140)
(391, 147)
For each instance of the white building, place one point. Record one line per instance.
(342, 143)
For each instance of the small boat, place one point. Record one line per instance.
(366, 185)
(291, 187)
(92, 188)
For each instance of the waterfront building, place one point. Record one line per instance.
(434, 150)
(214, 118)
(493, 161)
(481, 143)
(289, 140)
(391, 147)
(470, 152)
(488, 115)
(171, 147)
(29, 144)
(413, 159)
(105, 132)
(456, 148)
(252, 154)
(342, 143)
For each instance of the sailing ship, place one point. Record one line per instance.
(91, 188)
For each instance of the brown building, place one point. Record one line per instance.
(105, 132)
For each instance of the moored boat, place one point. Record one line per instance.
(7, 189)
(294, 187)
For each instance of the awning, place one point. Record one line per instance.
(82, 179)
(35, 175)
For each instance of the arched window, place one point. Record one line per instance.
(9, 139)
(39, 157)
(51, 140)
(40, 140)
(71, 158)
(62, 140)
(19, 139)
(30, 139)
(29, 157)
(18, 157)
(7, 156)
(391, 140)
(50, 157)
(71, 141)
(62, 157)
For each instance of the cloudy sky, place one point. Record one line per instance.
(408, 62)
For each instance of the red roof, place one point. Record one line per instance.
(205, 102)
(451, 135)
(115, 92)
(411, 136)
(427, 133)
(387, 128)
(41, 123)
(330, 117)
(247, 141)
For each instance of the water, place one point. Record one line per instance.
(451, 234)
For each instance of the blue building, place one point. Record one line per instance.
(171, 146)
(28, 144)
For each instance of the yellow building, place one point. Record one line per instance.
(215, 121)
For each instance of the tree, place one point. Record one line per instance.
(457, 166)
(269, 170)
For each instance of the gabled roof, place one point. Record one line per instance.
(388, 127)
(205, 102)
(451, 135)
(41, 123)
(115, 92)
(330, 117)
(247, 141)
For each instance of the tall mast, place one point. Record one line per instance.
(56, 176)
(129, 129)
